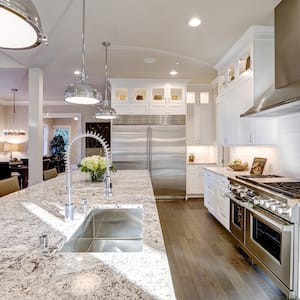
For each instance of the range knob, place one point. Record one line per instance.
(269, 202)
(262, 202)
(275, 205)
(284, 210)
(256, 200)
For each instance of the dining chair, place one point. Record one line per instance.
(51, 173)
(9, 185)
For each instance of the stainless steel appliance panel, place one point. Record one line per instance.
(167, 160)
(130, 147)
(156, 143)
(237, 220)
(271, 244)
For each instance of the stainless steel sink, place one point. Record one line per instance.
(108, 230)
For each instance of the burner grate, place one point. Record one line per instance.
(290, 189)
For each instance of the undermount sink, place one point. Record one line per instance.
(108, 230)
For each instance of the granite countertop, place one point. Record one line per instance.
(27, 273)
(226, 171)
(200, 163)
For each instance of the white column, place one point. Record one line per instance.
(35, 125)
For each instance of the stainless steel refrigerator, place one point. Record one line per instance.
(156, 143)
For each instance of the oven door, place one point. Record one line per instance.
(237, 218)
(269, 239)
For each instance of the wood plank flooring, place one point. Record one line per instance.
(204, 262)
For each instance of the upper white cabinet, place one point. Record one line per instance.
(200, 116)
(245, 73)
(148, 96)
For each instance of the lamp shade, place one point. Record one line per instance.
(105, 112)
(11, 147)
(20, 25)
(82, 93)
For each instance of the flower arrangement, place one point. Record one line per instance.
(95, 165)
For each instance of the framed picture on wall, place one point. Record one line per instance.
(64, 131)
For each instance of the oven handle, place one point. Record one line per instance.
(280, 225)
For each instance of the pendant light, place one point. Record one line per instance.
(20, 25)
(14, 131)
(105, 111)
(82, 92)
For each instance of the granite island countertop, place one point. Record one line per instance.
(27, 273)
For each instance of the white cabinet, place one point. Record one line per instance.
(215, 187)
(210, 196)
(167, 99)
(194, 180)
(148, 96)
(200, 123)
(249, 72)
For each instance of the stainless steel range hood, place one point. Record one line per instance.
(284, 98)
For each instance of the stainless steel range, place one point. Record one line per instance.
(263, 218)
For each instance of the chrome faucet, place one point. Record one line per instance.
(69, 206)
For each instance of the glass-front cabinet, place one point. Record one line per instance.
(148, 96)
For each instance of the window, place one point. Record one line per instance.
(45, 140)
(204, 97)
(190, 97)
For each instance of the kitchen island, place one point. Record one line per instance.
(27, 273)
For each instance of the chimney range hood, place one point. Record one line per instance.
(284, 98)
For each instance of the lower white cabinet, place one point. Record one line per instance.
(215, 187)
(195, 180)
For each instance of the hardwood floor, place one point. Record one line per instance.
(204, 262)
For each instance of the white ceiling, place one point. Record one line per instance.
(136, 29)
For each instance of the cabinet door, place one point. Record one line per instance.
(222, 120)
(176, 95)
(245, 94)
(223, 210)
(194, 180)
(233, 117)
(210, 195)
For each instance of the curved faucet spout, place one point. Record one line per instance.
(69, 206)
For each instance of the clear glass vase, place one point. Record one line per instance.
(97, 176)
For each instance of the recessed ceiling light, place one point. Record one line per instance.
(173, 72)
(149, 60)
(177, 63)
(77, 72)
(194, 22)
(76, 118)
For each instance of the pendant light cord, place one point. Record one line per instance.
(14, 107)
(83, 75)
(106, 45)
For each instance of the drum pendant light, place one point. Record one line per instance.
(105, 111)
(20, 25)
(82, 92)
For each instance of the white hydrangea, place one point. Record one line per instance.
(93, 163)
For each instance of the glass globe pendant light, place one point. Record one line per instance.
(20, 25)
(82, 92)
(106, 111)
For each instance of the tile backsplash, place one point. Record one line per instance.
(247, 154)
(203, 154)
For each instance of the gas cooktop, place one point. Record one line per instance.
(284, 185)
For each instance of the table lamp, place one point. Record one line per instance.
(11, 148)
